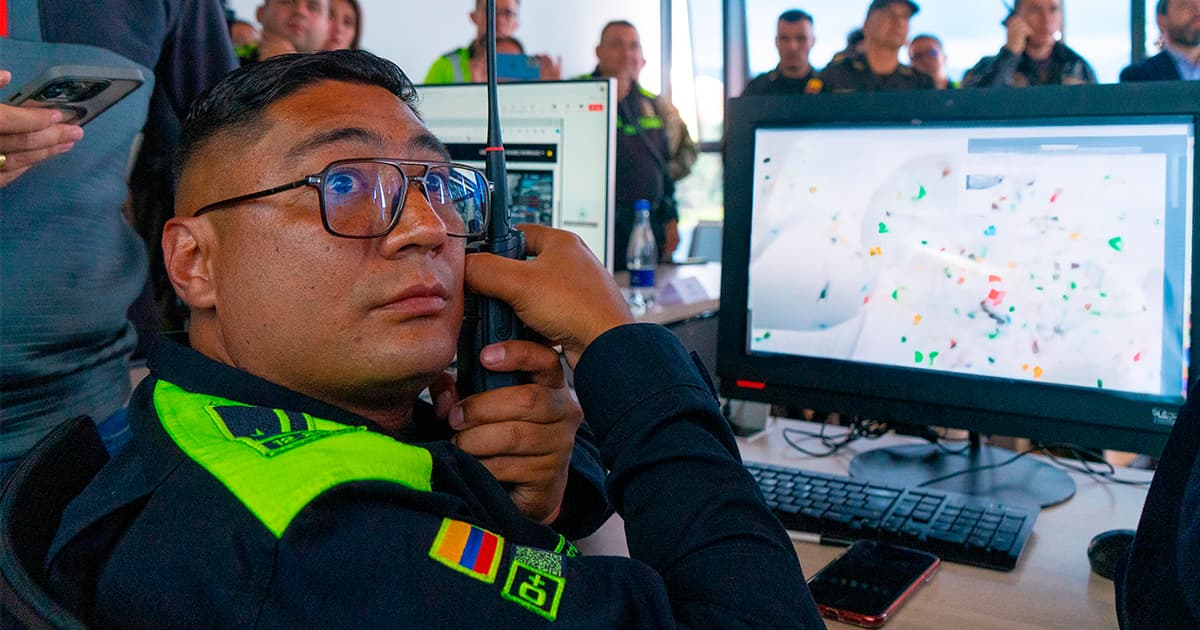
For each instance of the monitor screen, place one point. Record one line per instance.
(1015, 263)
(559, 144)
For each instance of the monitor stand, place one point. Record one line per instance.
(1024, 481)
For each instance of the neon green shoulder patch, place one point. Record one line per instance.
(275, 461)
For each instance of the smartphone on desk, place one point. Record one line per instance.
(870, 581)
(80, 92)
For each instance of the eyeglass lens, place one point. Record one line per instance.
(361, 198)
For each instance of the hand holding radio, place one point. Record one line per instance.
(569, 310)
(523, 434)
(30, 135)
(1019, 32)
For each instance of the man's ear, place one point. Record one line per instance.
(187, 253)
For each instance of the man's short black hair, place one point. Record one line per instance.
(239, 100)
(616, 23)
(934, 38)
(791, 16)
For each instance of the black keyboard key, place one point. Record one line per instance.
(958, 527)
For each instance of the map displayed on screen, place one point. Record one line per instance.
(1047, 253)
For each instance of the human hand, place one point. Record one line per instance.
(564, 294)
(29, 135)
(1018, 34)
(551, 67)
(671, 243)
(524, 434)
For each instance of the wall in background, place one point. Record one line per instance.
(415, 34)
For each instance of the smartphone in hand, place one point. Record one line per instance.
(870, 581)
(516, 67)
(80, 92)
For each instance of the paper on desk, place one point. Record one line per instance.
(683, 291)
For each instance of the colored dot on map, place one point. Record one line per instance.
(896, 294)
(924, 242)
(1116, 243)
(916, 319)
(994, 334)
(904, 340)
(932, 356)
(991, 359)
(1137, 357)
(995, 278)
(1025, 367)
(812, 190)
(953, 344)
(961, 279)
(1100, 383)
(918, 357)
(876, 251)
(921, 193)
(1038, 372)
(990, 231)
(883, 228)
(1074, 286)
(1012, 309)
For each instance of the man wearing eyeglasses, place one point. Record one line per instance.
(468, 64)
(928, 57)
(284, 473)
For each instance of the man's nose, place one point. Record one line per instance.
(420, 226)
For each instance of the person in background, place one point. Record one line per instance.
(1179, 23)
(243, 34)
(1032, 55)
(285, 473)
(929, 57)
(854, 40)
(469, 64)
(654, 148)
(345, 25)
(876, 67)
(289, 26)
(794, 40)
(70, 265)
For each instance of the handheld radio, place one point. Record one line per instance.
(486, 320)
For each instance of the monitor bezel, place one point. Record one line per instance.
(610, 156)
(992, 406)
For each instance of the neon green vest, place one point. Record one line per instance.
(275, 461)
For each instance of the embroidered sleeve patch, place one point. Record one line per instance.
(468, 549)
(270, 431)
(534, 590)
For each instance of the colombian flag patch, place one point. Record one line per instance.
(468, 549)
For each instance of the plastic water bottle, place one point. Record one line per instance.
(641, 258)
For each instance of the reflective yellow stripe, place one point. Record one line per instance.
(275, 484)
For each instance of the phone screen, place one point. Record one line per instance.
(869, 581)
(516, 67)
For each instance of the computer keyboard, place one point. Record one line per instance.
(957, 527)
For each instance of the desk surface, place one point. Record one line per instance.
(709, 276)
(1052, 586)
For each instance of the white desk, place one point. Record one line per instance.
(1052, 586)
(709, 276)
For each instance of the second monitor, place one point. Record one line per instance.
(559, 143)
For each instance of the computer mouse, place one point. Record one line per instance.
(1108, 549)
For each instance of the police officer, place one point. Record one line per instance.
(877, 65)
(1032, 54)
(653, 146)
(284, 472)
(794, 40)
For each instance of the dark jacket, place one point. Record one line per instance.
(773, 83)
(852, 73)
(1160, 67)
(217, 515)
(1065, 67)
(1160, 586)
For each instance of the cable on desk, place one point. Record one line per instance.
(1108, 475)
(860, 428)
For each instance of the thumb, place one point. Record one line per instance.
(5, 77)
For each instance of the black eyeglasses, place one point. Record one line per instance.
(363, 198)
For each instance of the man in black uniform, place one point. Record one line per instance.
(1032, 54)
(876, 66)
(284, 473)
(654, 149)
(794, 39)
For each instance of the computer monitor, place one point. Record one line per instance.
(1009, 262)
(560, 145)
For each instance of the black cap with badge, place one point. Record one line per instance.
(881, 4)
